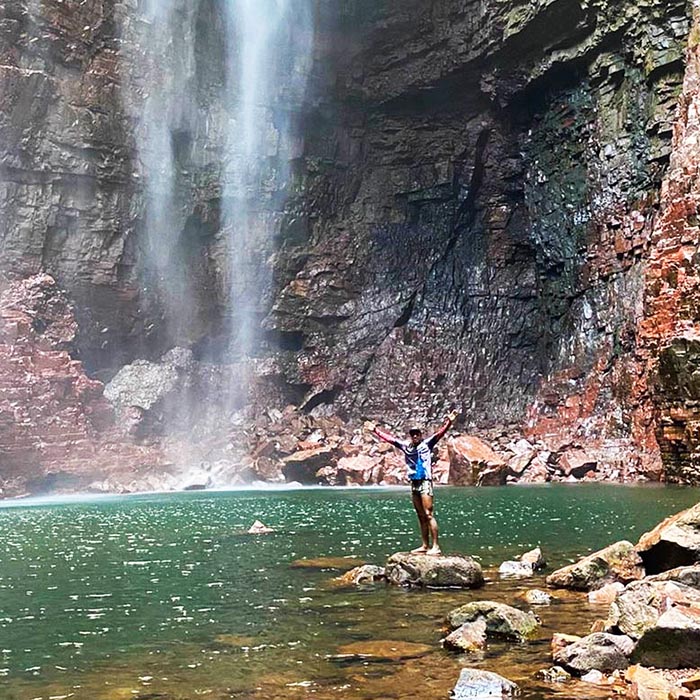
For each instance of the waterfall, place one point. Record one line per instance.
(228, 78)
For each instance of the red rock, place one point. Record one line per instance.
(472, 460)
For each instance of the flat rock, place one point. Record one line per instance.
(406, 569)
(672, 543)
(383, 649)
(600, 651)
(475, 683)
(471, 636)
(617, 562)
(501, 620)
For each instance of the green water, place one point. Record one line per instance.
(129, 597)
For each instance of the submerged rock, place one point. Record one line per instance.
(383, 649)
(617, 562)
(555, 674)
(501, 620)
(407, 569)
(673, 543)
(537, 597)
(340, 563)
(475, 683)
(600, 651)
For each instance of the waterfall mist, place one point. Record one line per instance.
(217, 104)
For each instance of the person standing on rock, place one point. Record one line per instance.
(419, 461)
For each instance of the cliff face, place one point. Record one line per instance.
(482, 214)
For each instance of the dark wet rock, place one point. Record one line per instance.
(501, 620)
(406, 569)
(672, 543)
(600, 651)
(382, 650)
(475, 683)
(673, 641)
(638, 608)
(362, 575)
(618, 562)
(471, 636)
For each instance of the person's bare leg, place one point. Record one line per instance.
(423, 522)
(431, 523)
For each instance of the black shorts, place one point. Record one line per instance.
(422, 486)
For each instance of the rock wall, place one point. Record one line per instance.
(481, 213)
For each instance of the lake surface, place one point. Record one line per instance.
(165, 596)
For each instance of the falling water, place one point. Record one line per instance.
(268, 62)
(238, 104)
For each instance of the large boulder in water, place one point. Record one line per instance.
(475, 683)
(638, 608)
(407, 569)
(599, 651)
(501, 620)
(618, 562)
(672, 543)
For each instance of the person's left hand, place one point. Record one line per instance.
(370, 426)
(452, 416)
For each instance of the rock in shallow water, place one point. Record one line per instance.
(383, 650)
(406, 569)
(470, 636)
(600, 651)
(362, 575)
(477, 684)
(501, 620)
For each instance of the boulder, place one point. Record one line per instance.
(475, 683)
(617, 562)
(303, 465)
(601, 651)
(471, 636)
(473, 462)
(638, 608)
(673, 543)
(406, 569)
(673, 642)
(501, 620)
(577, 463)
(362, 575)
(360, 470)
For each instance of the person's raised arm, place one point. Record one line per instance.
(382, 434)
(433, 439)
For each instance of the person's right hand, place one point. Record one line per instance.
(370, 426)
(452, 416)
